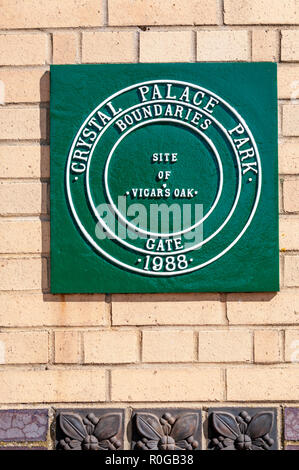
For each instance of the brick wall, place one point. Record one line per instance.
(162, 350)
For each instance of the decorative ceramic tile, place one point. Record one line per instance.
(291, 424)
(23, 425)
(166, 429)
(22, 448)
(242, 429)
(89, 429)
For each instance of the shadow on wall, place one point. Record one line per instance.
(45, 177)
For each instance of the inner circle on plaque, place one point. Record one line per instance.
(180, 161)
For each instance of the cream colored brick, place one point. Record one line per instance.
(66, 347)
(265, 308)
(65, 48)
(223, 46)
(108, 347)
(25, 85)
(291, 271)
(26, 347)
(23, 198)
(24, 236)
(289, 157)
(291, 195)
(21, 309)
(290, 120)
(23, 49)
(166, 46)
(290, 45)
(225, 346)
(168, 346)
(292, 346)
(288, 81)
(261, 12)
(162, 12)
(50, 14)
(27, 123)
(289, 230)
(50, 386)
(163, 385)
(112, 46)
(21, 274)
(25, 161)
(265, 45)
(266, 346)
(263, 384)
(167, 309)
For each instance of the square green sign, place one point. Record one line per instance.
(164, 178)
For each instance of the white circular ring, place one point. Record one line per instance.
(132, 268)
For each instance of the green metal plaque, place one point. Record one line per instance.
(164, 178)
